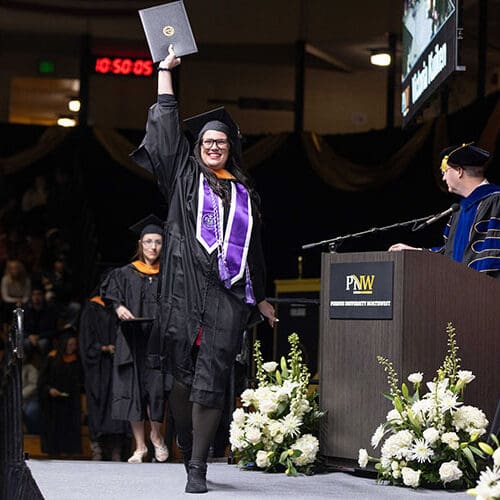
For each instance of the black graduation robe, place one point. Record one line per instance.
(192, 294)
(134, 385)
(98, 326)
(61, 416)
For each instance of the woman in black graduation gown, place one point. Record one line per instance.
(213, 267)
(138, 392)
(59, 387)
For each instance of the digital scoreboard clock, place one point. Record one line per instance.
(123, 66)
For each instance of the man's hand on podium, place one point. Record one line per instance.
(397, 247)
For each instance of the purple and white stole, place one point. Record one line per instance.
(233, 242)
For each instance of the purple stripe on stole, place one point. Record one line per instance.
(206, 220)
(237, 233)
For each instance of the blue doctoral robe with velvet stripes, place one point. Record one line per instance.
(472, 235)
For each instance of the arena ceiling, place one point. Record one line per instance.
(341, 33)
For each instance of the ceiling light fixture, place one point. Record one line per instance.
(380, 58)
(74, 104)
(66, 121)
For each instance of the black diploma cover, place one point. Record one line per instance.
(168, 24)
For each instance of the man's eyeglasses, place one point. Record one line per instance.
(220, 143)
(150, 243)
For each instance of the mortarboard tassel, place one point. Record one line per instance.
(223, 271)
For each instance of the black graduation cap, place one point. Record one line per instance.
(150, 224)
(464, 155)
(216, 119)
(167, 24)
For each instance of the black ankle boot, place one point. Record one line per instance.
(197, 477)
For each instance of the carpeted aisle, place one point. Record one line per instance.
(85, 480)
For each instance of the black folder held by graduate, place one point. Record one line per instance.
(168, 24)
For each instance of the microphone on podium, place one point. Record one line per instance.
(433, 219)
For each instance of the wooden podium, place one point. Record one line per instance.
(428, 291)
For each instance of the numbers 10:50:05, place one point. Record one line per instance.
(123, 66)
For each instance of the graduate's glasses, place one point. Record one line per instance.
(150, 243)
(220, 143)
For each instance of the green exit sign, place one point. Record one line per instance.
(46, 67)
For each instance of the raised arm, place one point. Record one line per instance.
(164, 150)
(165, 85)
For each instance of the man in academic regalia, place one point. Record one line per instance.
(98, 326)
(473, 232)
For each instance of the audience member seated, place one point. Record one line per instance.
(18, 246)
(15, 286)
(40, 323)
(31, 404)
(59, 388)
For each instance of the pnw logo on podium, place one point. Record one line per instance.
(360, 285)
(361, 290)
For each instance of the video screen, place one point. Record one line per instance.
(429, 50)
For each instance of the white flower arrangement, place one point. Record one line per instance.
(431, 438)
(275, 430)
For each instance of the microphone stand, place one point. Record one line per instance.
(334, 243)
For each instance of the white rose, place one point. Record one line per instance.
(416, 378)
(363, 458)
(431, 435)
(253, 435)
(247, 397)
(262, 459)
(496, 457)
(410, 477)
(451, 439)
(261, 394)
(470, 419)
(449, 471)
(394, 417)
(267, 406)
(239, 416)
(270, 366)
(278, 438)
(309, 446)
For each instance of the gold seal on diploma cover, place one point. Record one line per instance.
(168, 30)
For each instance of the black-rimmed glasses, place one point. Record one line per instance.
(220, 143)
